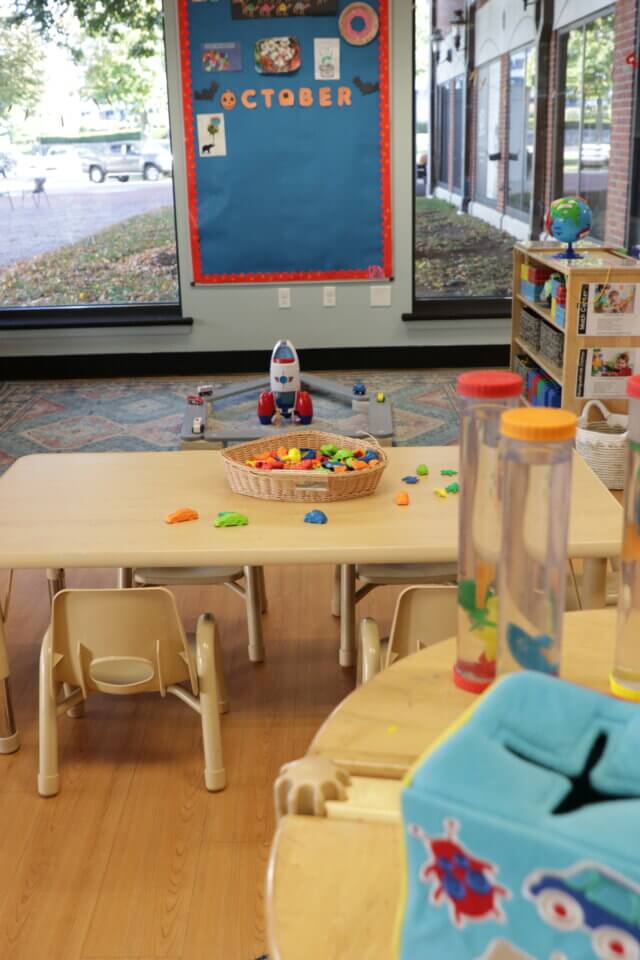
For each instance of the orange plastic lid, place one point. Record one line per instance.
(538, 423)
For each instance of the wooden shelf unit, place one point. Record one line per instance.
(599, 265)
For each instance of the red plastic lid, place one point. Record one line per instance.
(633, 386)
(493, 384)
(470, 686)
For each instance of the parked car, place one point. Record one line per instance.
(125, 160)
(61, 162)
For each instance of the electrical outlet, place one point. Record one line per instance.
(328, 296)
(380, 295)
(284, 297)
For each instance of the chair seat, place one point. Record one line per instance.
(189, 576)
(397, 573)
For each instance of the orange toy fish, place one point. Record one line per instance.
(179, 516)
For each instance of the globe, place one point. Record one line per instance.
(568, 219)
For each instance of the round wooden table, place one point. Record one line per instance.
(333, 882)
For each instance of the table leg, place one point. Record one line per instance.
(347, 653)
(594, 583)
(125, 578)
(254, 614)
(335, 591)
(9, 736)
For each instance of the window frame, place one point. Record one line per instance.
(444, 308)
(514, 212)
(443, 155)
(482, 197)
(561, 40)
(160, 313)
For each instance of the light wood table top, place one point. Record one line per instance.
(108, 509)
(334, 882)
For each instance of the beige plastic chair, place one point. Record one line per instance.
(372, 575)
(127, 641)
(253, 591)
(423, 616)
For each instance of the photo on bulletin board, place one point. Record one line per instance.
(604, 371)
(609, 309)
(287, 140)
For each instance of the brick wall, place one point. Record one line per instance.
(551, 119)
(503, 132)
(621, 122)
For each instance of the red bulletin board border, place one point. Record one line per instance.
(385, 171)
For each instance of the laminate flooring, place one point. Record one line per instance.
(134, 858)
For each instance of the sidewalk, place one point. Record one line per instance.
(69, 216)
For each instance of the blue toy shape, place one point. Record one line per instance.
(410, 479)
(359, 389)
(521, 829)
(315, 516)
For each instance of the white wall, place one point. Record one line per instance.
(501, 26)
(566, 11)
(245, 318)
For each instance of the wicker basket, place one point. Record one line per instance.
(551, 343)
(602, 444)
(298, 485)
(530, 329)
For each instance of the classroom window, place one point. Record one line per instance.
(86, 189)
(488, 132)
(584, 130)
(522, 122)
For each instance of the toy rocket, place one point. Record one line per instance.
(285, 394)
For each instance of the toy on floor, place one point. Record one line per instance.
(315, 516)
(448, 473)
(285, 395)
(230, 518)
(182, 515)
(402, 499)
(411, 479)
(422, 470)
(441, 492)
(453, 487)
(359, 390)
(197, 425)
(541, 857)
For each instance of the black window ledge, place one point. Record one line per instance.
(91, 317)
(460, 308)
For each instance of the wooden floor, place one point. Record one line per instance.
(134, 859)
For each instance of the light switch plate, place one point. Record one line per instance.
(284, 297)
(328, 296)
(381, 295)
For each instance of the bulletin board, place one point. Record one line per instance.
(288, 173)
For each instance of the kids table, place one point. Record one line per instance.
(333, 882)
(108, 509)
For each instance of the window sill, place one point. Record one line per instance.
(91, 317)
(459, 308)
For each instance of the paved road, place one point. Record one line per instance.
(74, 211)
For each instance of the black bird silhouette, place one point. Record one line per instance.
(365, 87)
(207, 93)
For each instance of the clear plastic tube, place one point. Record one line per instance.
(480, 525)
(532, 572)
(625, 675)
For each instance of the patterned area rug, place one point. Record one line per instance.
(98, 415)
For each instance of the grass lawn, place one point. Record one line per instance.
(133, 261)
(459, 255)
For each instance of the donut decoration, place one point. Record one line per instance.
(359, 24)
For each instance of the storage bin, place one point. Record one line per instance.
(603, 443)
(551, 343)
(530, 328)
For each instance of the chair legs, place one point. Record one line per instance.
(48, 776)
(263, 591)
(209, 669)
(254, 614)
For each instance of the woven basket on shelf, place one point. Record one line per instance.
(602, 444)
(303, 486)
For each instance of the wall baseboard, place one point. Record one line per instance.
(90, 366)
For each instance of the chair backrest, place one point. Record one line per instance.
(423, 616)
(119, 641)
